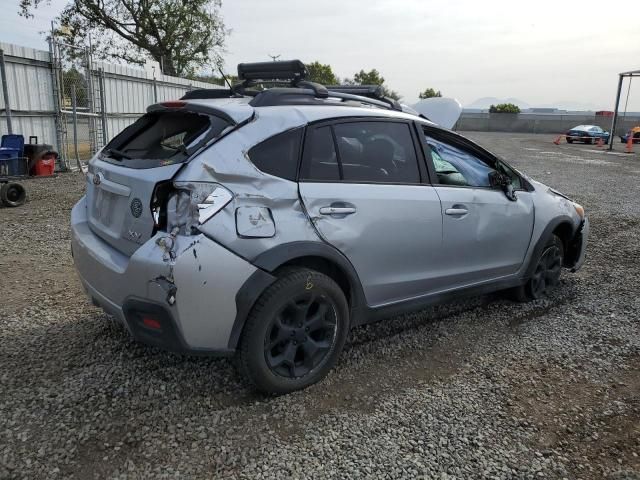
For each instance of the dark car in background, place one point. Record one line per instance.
(587, 134)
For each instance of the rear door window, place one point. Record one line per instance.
(320, 162)
(278, 155)
(162, 138)
(374, 152)
(380, 152)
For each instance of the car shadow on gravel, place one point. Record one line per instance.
(96, 344)
(416, 350)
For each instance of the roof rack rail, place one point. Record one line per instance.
(369, 91)
(291, 74)
(305, 96)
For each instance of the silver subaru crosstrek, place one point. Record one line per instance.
(267, 222)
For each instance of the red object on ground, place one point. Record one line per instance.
(46, 165)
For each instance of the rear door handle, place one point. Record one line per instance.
(337, 210)
(456, 211)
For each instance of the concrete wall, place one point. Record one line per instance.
(537, 123)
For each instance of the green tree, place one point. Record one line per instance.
(73, 78)
(373, 77)
(429, 93)
(504, 108)
(321, 73)
(181, 35)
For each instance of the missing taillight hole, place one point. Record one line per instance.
(159, 205)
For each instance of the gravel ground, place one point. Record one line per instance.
(482, 388)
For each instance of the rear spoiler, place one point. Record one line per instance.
(232, 113)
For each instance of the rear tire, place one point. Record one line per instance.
(546, 274)
(13, 194)
(294, 333)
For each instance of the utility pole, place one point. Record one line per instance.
(274, 57)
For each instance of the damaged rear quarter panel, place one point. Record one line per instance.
(207, 278)
(227, 163)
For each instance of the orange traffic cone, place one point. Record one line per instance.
(629, 147)
(557, 140)
(600, 142)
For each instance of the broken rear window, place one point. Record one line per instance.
(162, 138)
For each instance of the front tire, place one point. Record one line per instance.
(294, 333)
(546, 274)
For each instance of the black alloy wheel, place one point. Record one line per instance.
(300, 335)
(547, 272)
(294, 332)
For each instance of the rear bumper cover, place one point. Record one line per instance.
(193, 295)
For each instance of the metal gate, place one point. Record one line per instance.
(78, 88)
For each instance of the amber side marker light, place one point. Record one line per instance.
(579, 210)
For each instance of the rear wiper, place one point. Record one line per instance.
(117, 154)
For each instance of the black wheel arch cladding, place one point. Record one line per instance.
(268, 263)
(546, 236)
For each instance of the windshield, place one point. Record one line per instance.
(162, 138)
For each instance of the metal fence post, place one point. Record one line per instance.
(614, 121)
(75, 125)
(155, 90)
(57, 103)
(103, 107)
(5, 92)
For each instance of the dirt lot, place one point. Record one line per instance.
(482, 388)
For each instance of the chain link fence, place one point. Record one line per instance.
(78, 124)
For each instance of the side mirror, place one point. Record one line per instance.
(498, 180)
(501, 181)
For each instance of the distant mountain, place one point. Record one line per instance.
(485, 102)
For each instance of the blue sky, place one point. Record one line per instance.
(542, 52)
